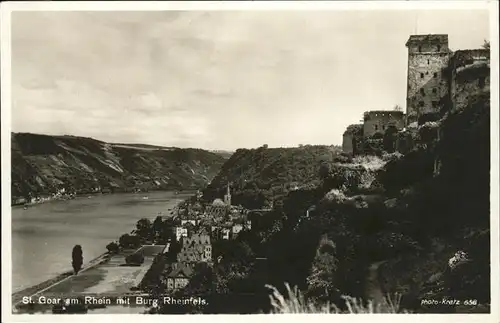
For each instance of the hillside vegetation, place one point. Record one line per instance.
(373, 225)
(43, 164)
(259, 176)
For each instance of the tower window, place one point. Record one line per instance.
(428, 62)
(422, 91)
(439, 48)
(434, 90)
(376, 127)
(434, 104)
(421, 103)
(421, 75)
(435, 75)
(420, 48)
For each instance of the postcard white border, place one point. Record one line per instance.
(8, 7)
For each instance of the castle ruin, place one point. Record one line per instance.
(439, 81)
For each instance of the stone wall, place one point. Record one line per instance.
(427, 84)
(470, 76)
(347, 143)
(428, 57)
(379, 121)
(351, 142)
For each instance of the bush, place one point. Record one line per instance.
(128, 241)
(113, 247)
(134, 259)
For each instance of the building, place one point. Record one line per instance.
(216, 211)
(427, 85)
(380, 121)
(439, 79)
(195, 248)
(190, 220)
(177, 276)
(227, 197)
(180, 232)
(224, 233)
(469, 75)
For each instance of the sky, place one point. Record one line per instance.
(217, 79)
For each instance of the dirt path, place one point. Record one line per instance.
(372, 288)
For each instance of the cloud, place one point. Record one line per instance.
(218, 79)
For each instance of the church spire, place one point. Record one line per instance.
(227, 197)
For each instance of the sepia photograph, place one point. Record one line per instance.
(258, 158)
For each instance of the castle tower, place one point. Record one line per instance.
(428, 57)
(227, 197)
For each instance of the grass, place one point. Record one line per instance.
(296, 303)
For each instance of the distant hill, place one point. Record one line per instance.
(268, 172)
(42, 164)
(224, 153)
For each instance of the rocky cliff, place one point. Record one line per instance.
(43, 165)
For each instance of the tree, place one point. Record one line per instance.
(486, 44)
(157, 227)
(397, 107)
(128, 241)
(324, 170)
(134, 259)
(144, 229)
(77, 258)
(322, 276)
(113, 247)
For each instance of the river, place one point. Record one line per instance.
(43, 236)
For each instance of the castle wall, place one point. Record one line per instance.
(470, 76)
(427, 83)
(347, 143)
(428, 44)
(379, 121)
(351, 141)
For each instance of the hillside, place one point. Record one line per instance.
(43, 164)
(224, 153)
(369, 226)
(258, 176)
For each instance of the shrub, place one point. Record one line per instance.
(134, 259)
(113, 247)
(129, 241)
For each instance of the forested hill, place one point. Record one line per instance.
(258, 176)
(43, 164)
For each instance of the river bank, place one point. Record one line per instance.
(38, 288)
(124, 201)
(47, 199)
(43, 236)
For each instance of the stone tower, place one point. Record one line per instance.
(427, 84)
(227, 197)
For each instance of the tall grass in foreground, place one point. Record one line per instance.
(296, 303)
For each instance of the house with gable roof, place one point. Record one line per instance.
(177, 276)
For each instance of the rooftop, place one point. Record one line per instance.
(181, 270)
(434, 38)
